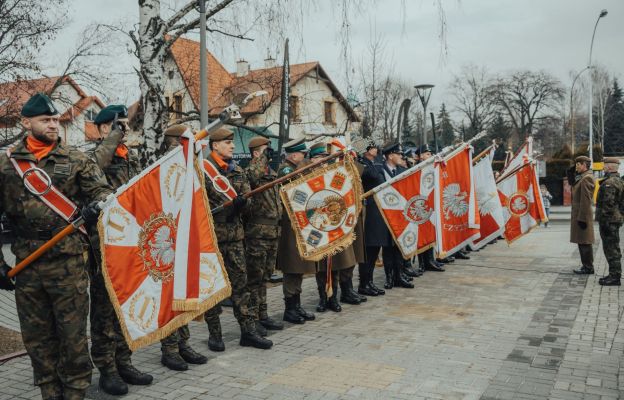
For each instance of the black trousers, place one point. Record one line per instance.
(587, 255)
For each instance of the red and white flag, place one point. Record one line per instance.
(522, 156)
(521, 200)
(457, 217)
(161, 265)
(492, 222)
(406, 203)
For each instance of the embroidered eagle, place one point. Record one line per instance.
(161, 247)
(518, 205)
(454, 201)
(486, 203)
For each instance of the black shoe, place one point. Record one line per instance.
(252, 339)
(389, 282)
(461, 256)
(406, 277)
(332, 304)
(290, 313)
(367, 290)
(380, 292)
(400, 281)
(584, 271)
(610, 280)
(434, 267)
(191, 356)
(306, 315)
(363, 298)
(322, 305)
(113, 384)
(271, 325)
(216, 343)
(261, 330)
(411, 272)
(174, 362)
(133, 376)
(348, 296)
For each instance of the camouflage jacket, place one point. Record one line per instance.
(228, 223)
(265, 211)
(72, 173)
(286, 168)
(609, 203)
(118, 170)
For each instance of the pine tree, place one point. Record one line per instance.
(614, 121)
(445, 127)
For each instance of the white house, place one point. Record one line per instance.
(317, 106)
(76, 108)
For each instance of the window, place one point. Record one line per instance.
(294, 109)
(330, 117)
(90, 115)
(177, 105)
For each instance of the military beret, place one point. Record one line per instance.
(296, 145)
(108, 113)
(425, 148)
(390, 148)
(611, 160)
(258, 141)
(318, 149)
(371, 145)
(582, 159)
(39, 104)
(175, 130)
(221, 134)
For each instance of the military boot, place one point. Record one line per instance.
(133, 376)
(173, 361)
(356, 294)
(191, 356)
(215, 337)
(306, 315)
(347, 296)
(111, 383)
(389, 277)
(610, 280)
(584, 271)
(271, 324)
(290, 312)
(333, 304)
(251, 338)
(322, 305)
(460, 255)
(399, 279)
(260, 329)
(364, 288)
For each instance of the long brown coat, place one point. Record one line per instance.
(582, 198)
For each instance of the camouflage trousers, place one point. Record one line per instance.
(52, 305)
(261, 257)
(234, 259)
(108, 346)
(610, 236)
(291, 285)
(177, 340)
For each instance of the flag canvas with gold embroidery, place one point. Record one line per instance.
(323, 207)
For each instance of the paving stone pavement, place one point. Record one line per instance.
(511, 323)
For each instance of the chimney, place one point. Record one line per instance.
(269, 62)
(242, 68)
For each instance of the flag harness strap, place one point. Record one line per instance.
(219, 182)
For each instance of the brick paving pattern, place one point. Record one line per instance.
(511, 323)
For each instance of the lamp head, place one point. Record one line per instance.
(424, 86)
(603, 13)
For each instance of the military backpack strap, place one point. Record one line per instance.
(219, 182)
(40, 184)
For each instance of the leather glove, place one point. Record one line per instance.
(90, 213)
(582, 225)
(6, 283)
(239, 202)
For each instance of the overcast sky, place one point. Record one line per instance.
(502, 35)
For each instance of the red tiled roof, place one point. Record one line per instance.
(91, 131)
(80, 106)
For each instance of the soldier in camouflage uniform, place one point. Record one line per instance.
(51, 293)
(262, 231)
(109, 351)
(609, 206)
(230, 235)
(176, 351)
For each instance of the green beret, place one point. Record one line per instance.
(39, 104)
(221, 134)
(582, 159)
(611, 160)
(318, 149)
(107, 114)
(257, 141)
(296, 145)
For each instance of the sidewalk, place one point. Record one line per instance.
(511, 323)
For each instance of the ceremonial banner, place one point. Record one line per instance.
(323, 207)
(159, 252)
(457, 217)
(406, 204)
(519, 195)
(492, 223)
(522, 156)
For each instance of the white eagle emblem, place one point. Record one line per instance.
(161, 247)
(454, 201)
(486, 203)
(518, 205)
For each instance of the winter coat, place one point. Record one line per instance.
(582, 195)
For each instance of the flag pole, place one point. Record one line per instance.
(481, 155)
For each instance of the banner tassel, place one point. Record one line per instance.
(328, 281)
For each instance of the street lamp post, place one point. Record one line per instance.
(603, 13)
(203, 67)
(424, 92)
(573, 137)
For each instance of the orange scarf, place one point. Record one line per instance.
(38, 148)
(222, 164)
(122, 151)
